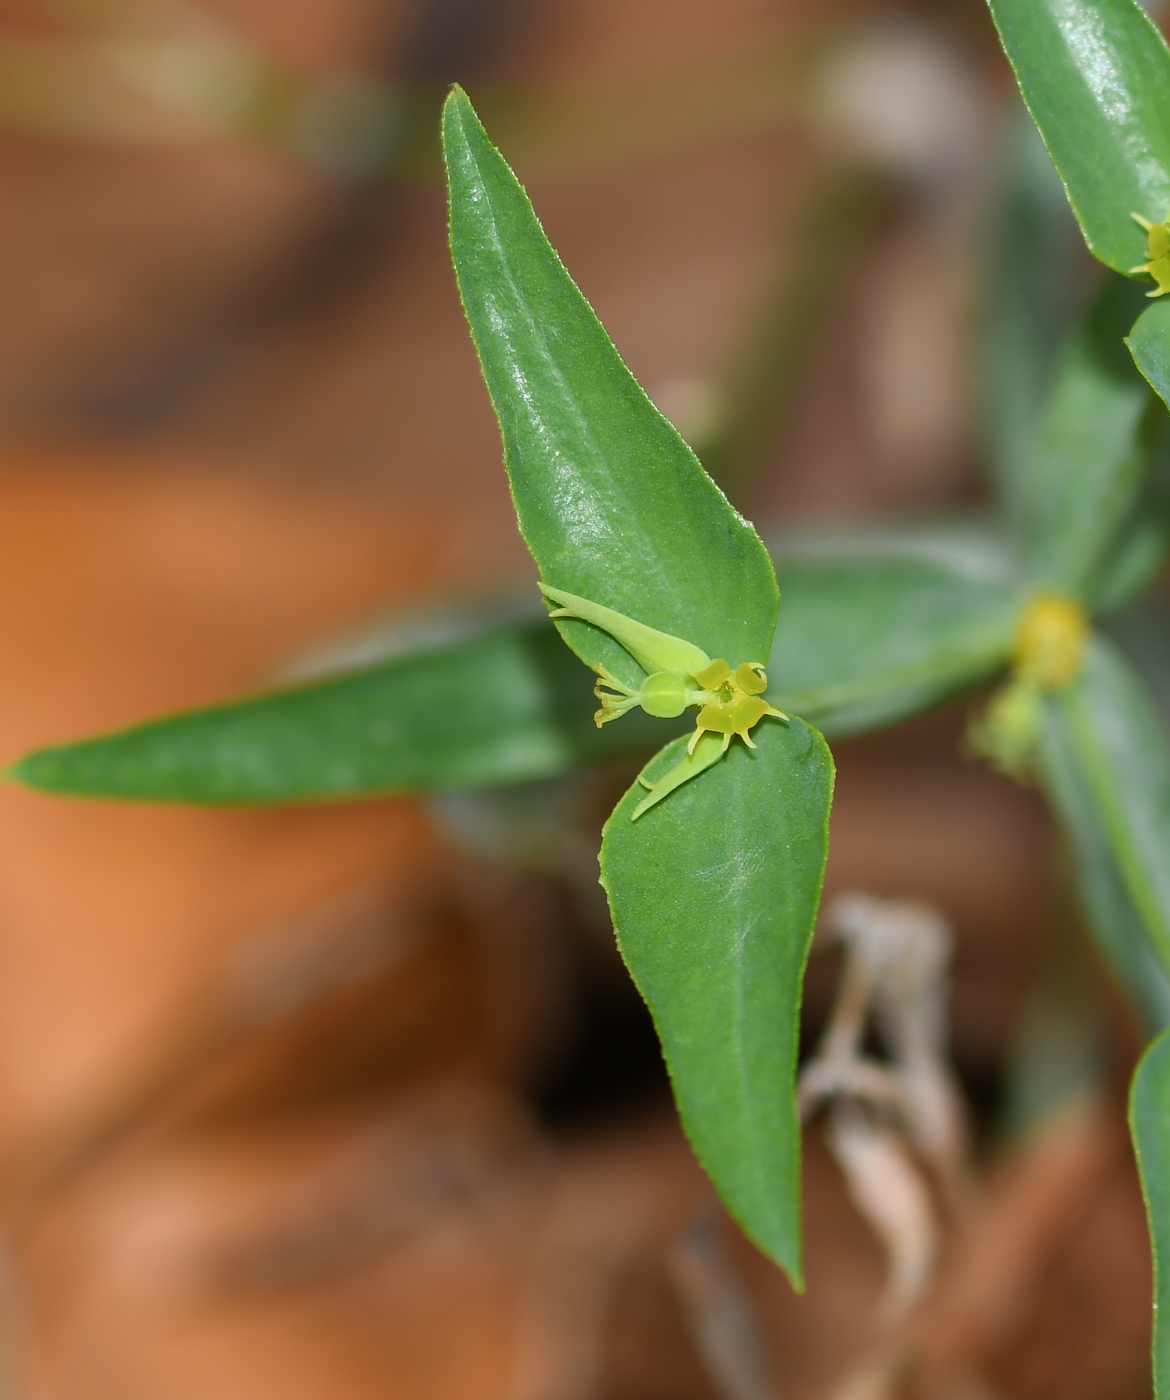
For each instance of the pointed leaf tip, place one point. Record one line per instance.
(714, 895)
(610, 500)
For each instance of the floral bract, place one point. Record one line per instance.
(1158, 265)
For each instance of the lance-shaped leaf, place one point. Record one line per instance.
(876, 626)
(504, 706)
(714, 894)
(1094, 442)
(1149, 343)
(879, 625)
(1149, 1122)
(1031, 293)
(1109, 911)
(612, 502)
(1120, 745)
(1095, 75)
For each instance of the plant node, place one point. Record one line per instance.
(1158, 252)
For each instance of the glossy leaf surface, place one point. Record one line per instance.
(878, 626)
(1095, 75)
(505, 706)
(1120, 744)
(612, 502)
(1149, 1121)
(1088, 463)
(1149, 343)
(714, 895)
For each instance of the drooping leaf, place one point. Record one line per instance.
(1091, 453)
(1149, 343)
(612, 502)
(1149, 1122)
(1120, 746)
(1031, 293)
(877, 626)
(714, 894)
(1095, 75)
(504, 706)
(1110, 913)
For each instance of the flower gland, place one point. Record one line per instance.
(1158, 265)
(732, 717)
(736, 707)
(1049, 644)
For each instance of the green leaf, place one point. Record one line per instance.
(1032, 289)
(505, 706)
(1138, 549)
(877, 626)
(612, 502)
(1095, 75)
(1142, 631)
(1115, 923)
(1121, 748)
(1149, 344)
(714, 895)
(1149, 1122)
(1094, 442)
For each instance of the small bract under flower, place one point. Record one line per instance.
(681, 676)
(1158, 265)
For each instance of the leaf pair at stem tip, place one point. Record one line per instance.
(680, 676)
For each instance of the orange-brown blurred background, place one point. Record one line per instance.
(356, 1101)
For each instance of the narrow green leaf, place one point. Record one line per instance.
(611, 501)
(1149, 343)
(1032, 289)
(1142, 631)
(1114, 921)
(1095, 75)
(1121, 747)
(714, 895)
(505, 706)
(1095, 438)
(1138, 549)
(877, 626)
(1149, 1122)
